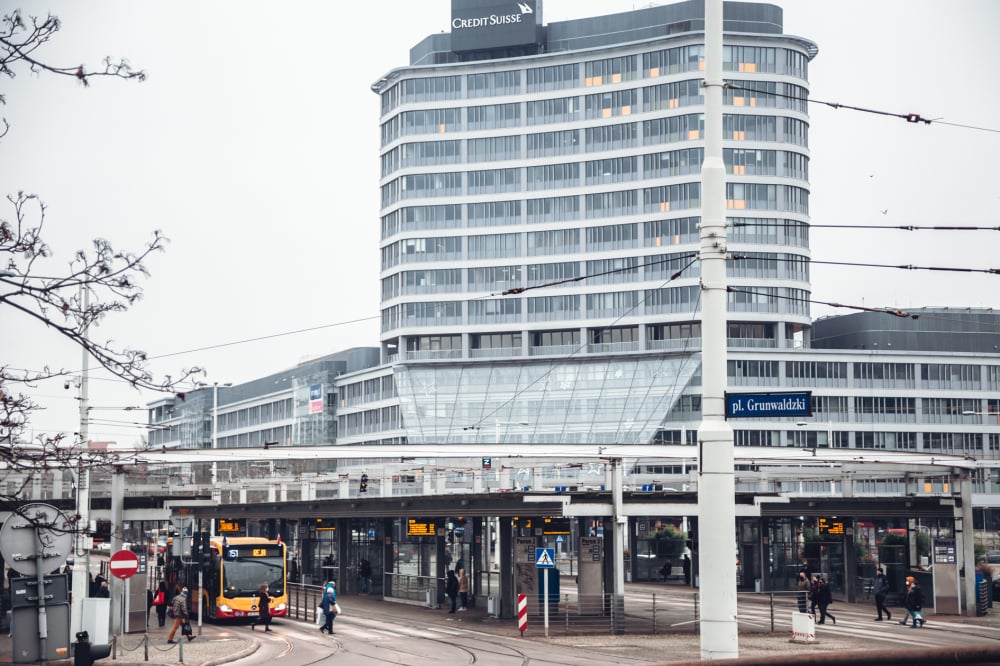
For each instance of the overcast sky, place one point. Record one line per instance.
(253, 146)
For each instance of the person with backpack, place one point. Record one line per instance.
(179, 607)
(328, 604)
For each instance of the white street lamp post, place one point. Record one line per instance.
(215, 442)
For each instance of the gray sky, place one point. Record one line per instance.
(253, 146)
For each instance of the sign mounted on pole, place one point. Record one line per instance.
(123, 564)
(791, 403)
(545, 558)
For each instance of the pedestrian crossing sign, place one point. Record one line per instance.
(545, 558)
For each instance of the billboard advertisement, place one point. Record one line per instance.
(316, 399)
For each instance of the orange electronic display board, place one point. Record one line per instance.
(418, 527)
(830, 526)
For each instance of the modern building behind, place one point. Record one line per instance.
(541, 195)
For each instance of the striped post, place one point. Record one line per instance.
(522, 612)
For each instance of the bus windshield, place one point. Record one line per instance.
(243, 576)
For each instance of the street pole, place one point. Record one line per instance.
(716, 487)
(618, 522)
(81, 564)
(215, 445)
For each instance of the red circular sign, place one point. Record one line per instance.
(124, 564)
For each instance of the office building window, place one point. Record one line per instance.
(549, 144)
(493, 116)
(674, 95)
(610, 70)
(553, 209)
(493, 84)
(556, 77)
(673, 61)
(612, 104)
(688, 127)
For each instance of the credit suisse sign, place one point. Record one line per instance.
(475, 27)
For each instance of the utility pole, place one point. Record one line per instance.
(81, 563)
(716, 486)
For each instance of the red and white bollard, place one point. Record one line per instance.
(522, 612)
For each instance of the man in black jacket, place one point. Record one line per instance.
(880, 588)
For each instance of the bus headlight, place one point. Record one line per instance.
(280, 608)
(225, 609)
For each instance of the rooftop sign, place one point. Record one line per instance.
(475, 27)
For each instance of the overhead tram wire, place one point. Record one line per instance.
(914, 118)
(903, 227)
(895, 312)
(908, 267)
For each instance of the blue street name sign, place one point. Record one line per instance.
(792, 403)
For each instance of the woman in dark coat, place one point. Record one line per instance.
(823, 598)
(451, 589)
(263, 609)
(161, 607)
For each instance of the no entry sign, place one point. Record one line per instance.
(123, 564)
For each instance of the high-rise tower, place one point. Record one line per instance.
(540, 192)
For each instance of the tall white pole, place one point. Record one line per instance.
(716, 487)
(81, 563)
(215, 445)
(618, 521)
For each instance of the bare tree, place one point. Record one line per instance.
(56, 303)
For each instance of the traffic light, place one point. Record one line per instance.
(196, 547)
(205, 550)
(363, 488)
(85, 654)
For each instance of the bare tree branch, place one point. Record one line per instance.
(97, 282)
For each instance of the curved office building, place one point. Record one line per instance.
(541, 196)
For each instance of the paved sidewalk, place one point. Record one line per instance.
(216, 644)
(227, 642)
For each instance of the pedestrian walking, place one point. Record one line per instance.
(802, 585)
(880, 588)
(160, 603)
(813, 589)
(179, 607)
(463, 590)
(451, 589)
(328, 604)
(914, 602)
(686, 566)
(263, 609)
(823, 598)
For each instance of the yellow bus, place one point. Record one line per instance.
(232, 574)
